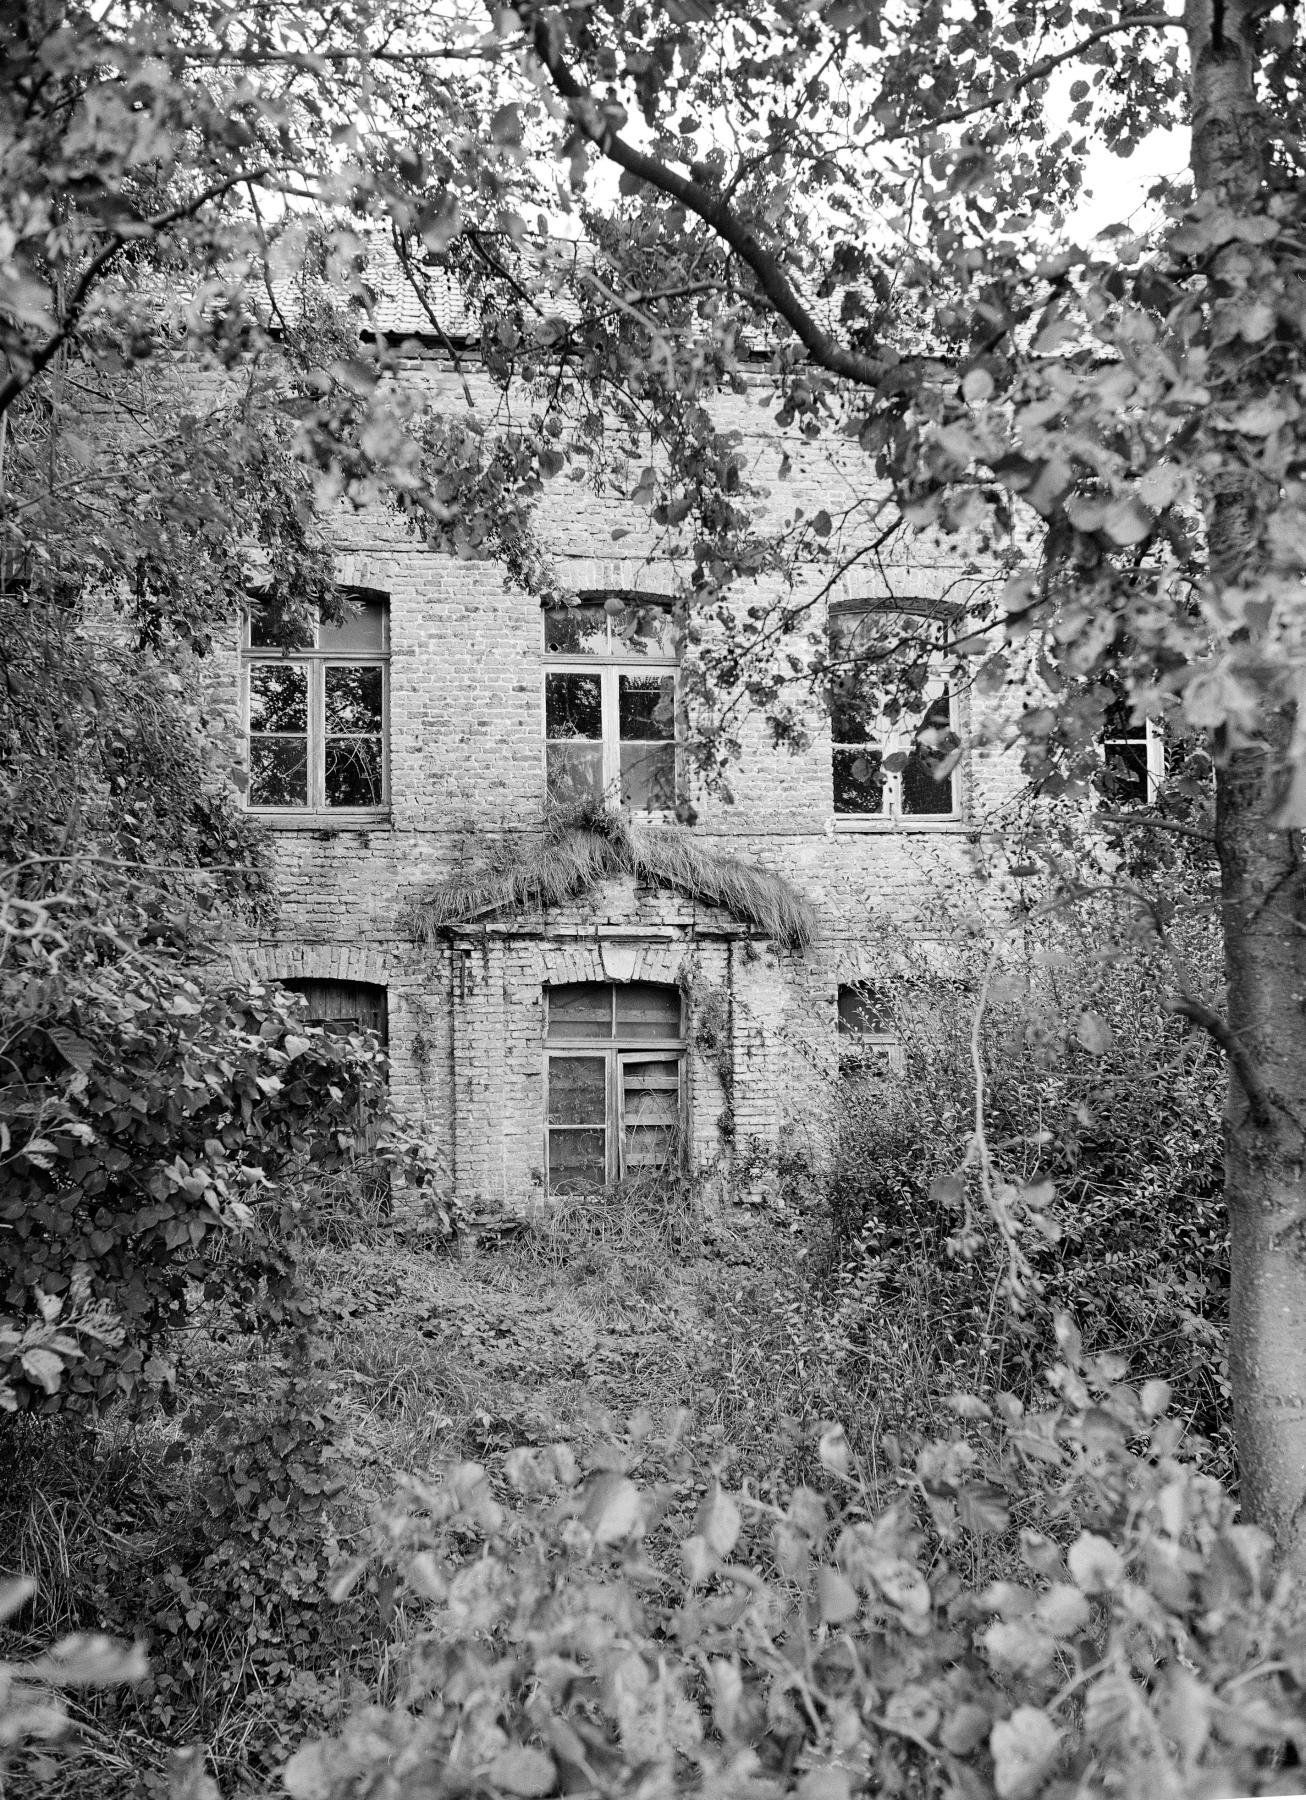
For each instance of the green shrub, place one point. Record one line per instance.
(641, 1628)
(158, 1132)
(1102, 1117)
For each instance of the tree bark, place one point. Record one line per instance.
(1263, 897)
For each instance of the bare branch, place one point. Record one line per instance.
(1184, 1006)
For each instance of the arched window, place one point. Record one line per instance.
(614, 1058)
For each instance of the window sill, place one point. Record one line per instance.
(851, 825)
(365, 819)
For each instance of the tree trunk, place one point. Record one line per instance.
(1263, 893)
(1264, 909)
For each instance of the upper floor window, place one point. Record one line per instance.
(888, 767)
(610, 702)
(318, 713)
(613, 1066)
(1133, 757)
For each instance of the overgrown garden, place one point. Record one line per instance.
(976, 1465)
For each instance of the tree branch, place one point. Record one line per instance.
(1184, 1006)
(18, 382)
(1045, 66)
(1143, 821)
(715, 211)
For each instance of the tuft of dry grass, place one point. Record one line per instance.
(577, 849)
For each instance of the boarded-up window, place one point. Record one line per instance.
(344, 1005)
(614, 1076)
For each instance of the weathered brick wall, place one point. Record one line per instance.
(466, 754)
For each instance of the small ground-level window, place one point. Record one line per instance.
(1133, 757)
(869, 1043)
(613, 1083)
(343, 1005)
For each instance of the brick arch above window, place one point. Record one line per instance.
(311, 962)
(613, 959)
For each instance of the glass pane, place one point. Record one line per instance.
(580, 1009)
(646, 629)
(355, 772)
(363, 627)
(646, 708)
(648, 777)
(279, 631)
(572, 630)
(863, 1009)
(1125, 779)
(577, 1090)
(353, 698)
(577, 1161)
(858, 780)
(922, 790)
(278, 771)
(573, 707)
(648, 1009)
(573, 773)
(278, 697)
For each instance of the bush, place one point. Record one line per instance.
(1102, 1117)
(157, 1131)
(643, 1628)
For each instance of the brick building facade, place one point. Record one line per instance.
(637, 1023)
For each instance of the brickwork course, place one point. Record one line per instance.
(466, 1012)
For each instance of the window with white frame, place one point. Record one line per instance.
(1133, 757)
(888, 767)
(869, 1043)
(610, 702)
(317, 713)
(613, 1067)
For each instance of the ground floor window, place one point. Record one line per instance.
(614, 1061)
(869, 1043)
(343, 1005)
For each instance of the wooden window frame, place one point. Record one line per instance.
(1148, 737)
(316, 661)
(616, 1050)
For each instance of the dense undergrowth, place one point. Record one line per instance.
(634, 1500)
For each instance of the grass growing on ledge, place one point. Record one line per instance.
(579, 848)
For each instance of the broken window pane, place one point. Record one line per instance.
(859, 782)
(578, 1161)
(577, 1090)
(575, 630)
(650, 1113)
(278, 697)
(574, 773)
(580, 1009)
(573, 707)
(278, 771)
(355, 771)
(353, 698)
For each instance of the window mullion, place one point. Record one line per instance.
(611, 739)
(316, 735)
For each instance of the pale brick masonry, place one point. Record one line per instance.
(466, 759)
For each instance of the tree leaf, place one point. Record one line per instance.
(523, 1771)
(1094, 1033)
(1025, 1749)
(1095, 1564)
